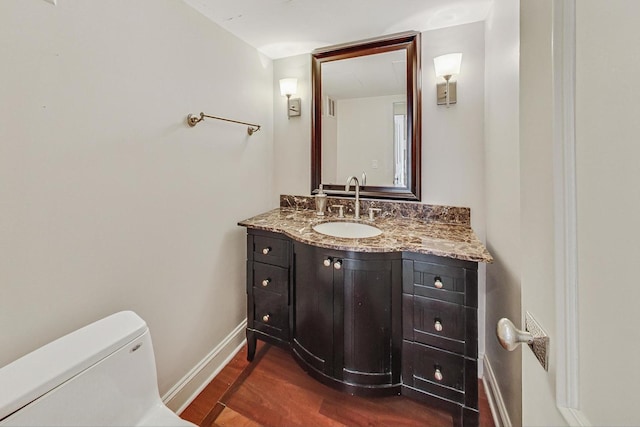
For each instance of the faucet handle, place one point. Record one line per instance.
(372, 212)
(341, 212)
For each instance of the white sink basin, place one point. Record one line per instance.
(348, 230)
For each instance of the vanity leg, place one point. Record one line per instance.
(251, 345)
(466, 417)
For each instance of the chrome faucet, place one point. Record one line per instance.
(357, 185)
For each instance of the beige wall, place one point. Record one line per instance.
(360, 144)
(502, 187)
(330, 148)
(292, 137)
(108, 201)
(608, 200)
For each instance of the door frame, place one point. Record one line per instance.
(565, 212)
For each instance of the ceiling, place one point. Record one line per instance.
(383, 74)
(281, 28)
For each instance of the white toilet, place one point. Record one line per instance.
(101, 375)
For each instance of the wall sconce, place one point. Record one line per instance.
(288, 87)
(447, 66)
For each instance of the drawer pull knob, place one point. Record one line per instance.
(438, 283)
(327, 262)
(265, 318)
(438, 375)
(337, 265)
(266, 282)
(265, 251)
(438, 325)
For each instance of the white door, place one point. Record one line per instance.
(537, 190)
(537, 180)
(580, 207)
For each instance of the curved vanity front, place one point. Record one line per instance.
(394, 313)
(346, 308)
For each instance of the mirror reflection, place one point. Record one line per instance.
(366, 119)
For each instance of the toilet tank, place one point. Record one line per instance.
(102, 374)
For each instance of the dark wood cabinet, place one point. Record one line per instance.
(268, 289)
(369, 323)
(368, 296)
(313, 341)
(440, 334)
(347, 323)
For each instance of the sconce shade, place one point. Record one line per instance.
(288, 86)
(447, 65)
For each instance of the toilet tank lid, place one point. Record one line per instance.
(34, 374)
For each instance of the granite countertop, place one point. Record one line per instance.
(398, 234)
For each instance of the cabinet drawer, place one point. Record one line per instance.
(271, 313)
(434, 371)
(456, 284)
(271, 278)
(441, 324)
(270, 250)
(437, 277)
(437, 318)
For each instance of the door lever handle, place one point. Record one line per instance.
(510, 336)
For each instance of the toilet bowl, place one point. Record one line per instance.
(101, 375)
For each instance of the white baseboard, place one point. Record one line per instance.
(188, 388)
(496, 402)
(575, 417)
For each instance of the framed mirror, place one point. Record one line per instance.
(366, 119)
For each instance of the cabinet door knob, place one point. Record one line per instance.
(327, 262)
(438, 375)
(337, 265)
(266, 282)
(438, 283)
(265, 318)
(438, 325)
(266, 251)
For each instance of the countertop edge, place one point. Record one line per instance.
(354, 244)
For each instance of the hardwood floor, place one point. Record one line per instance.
(274, 391)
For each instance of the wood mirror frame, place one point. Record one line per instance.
(408, 41)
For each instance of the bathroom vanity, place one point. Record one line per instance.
(392, 314)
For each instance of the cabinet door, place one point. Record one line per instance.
(364, 294)
(313, 307)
